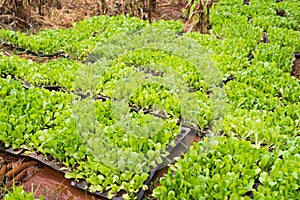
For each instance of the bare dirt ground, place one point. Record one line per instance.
(34, 16)
(37, 178)
(296, 67)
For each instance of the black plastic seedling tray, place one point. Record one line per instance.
(179, 140)
(180, 143)
(105, 98)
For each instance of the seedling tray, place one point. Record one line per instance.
(181, 146)
(179, 141)
(105, 98)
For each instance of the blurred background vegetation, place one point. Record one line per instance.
(34, 15)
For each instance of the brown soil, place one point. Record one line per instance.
(62, 13)
(296, 67)
(52, 185)
(37, 178)
(170, 10)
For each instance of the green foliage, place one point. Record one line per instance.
(61, 72)
(262, 112)
(155, 70)
(24, 112)
(112, 148)
(283, 179)
(269, 79)
(76, 42)
(215, 169)
(19, 194)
